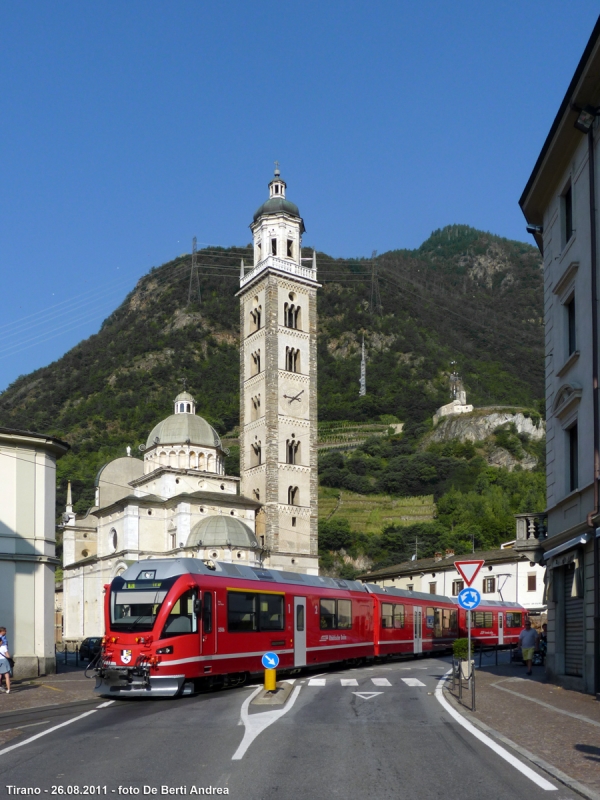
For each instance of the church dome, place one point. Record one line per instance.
(277, 205)
(182, 428)
(184, 396)
(221, 531)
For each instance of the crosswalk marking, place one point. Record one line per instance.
(412, 682)
(381, 682)
(348, 681)
(316, 682)
(354, 682)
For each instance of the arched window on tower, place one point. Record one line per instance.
(255, 363)
(256, 454)
(292, 451)
(290, 248)
(209, 460)
(273, 247)
(181, 407)
(201, 461)
(188, 408)
(293, 496)
(292, 359)
(255, 407)
(255, 316)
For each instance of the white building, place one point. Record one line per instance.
(506, 576)
(278, 383)
(177, 501)
(27, 547)
(458, 405)
(560, 204)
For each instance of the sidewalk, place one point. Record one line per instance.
(68, 686)
(558, 727)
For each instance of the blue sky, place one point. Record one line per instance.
(129, 128)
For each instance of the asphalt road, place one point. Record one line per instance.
(373, 733)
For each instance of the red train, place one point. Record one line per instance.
(173, 625)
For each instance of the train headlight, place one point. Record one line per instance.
(165, 650)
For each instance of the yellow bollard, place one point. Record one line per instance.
(270, 680)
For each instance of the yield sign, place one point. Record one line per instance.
(367, 695)
(469, 570)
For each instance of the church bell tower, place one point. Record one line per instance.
(278, 383)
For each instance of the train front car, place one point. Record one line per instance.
(152, 610)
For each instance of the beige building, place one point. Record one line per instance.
(176, 501)
(278, 384)
(507, 576)
(27, 547)
(560, 204)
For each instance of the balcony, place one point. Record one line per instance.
(287, 266)
(532, 530)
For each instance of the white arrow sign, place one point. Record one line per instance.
(367, 695)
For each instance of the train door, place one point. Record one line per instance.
(500, 627)
(209, 632)
(418, 630)
(299, 631)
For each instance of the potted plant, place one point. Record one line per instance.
(460, 650)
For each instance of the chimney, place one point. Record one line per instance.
(437, 557)
(449, 553)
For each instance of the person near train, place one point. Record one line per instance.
(5, 668)
(529, 643)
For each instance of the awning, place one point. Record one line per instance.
(576, 542)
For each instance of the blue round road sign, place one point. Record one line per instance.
(270, 660)
(469, 599)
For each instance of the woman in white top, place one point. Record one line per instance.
(4, 667)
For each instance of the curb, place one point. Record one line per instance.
(556, 773)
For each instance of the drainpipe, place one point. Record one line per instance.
(591, 518)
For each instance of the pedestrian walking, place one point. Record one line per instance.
(5, 668)
(528, 642)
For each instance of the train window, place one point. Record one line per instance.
(398, 616)
(514, 619)
(449, 621)
(207, 613)
(437, 626)
(271, 612)
(251, 611)
(336, 614)
(182, 618)
(387, 615)
(430, 617)
(327, 614)
(344, 614)
(482, 619)
(300, 618)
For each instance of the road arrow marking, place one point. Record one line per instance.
(367, 695)
(412, 682)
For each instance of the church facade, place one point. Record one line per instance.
(177, 501)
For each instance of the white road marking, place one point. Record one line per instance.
(349, 681)
(257, 723)
(512, 760)
(367, 695)
(317, 682)
(108, 703)
(44, 733)
(291, 681)
(412, 682)
(381, 682)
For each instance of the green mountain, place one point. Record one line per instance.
(464, 296)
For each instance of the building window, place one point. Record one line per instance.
(273, 247)
(255, 318)
(567, 214)
(489, 585)
(290, 248)
(113, 539)
(292, 448)
(293, 522)
(256, 494)
(255, 407)
(457, 586)
(256, 454)
(255, 363)
(291, 315)
(571, 330)
(531, 582)
(292, 359)
(433, 587)
(410, 587)
(573, 458)
(293, 496)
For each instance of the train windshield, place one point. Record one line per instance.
(134, 605)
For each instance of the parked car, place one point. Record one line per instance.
(90, 648)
